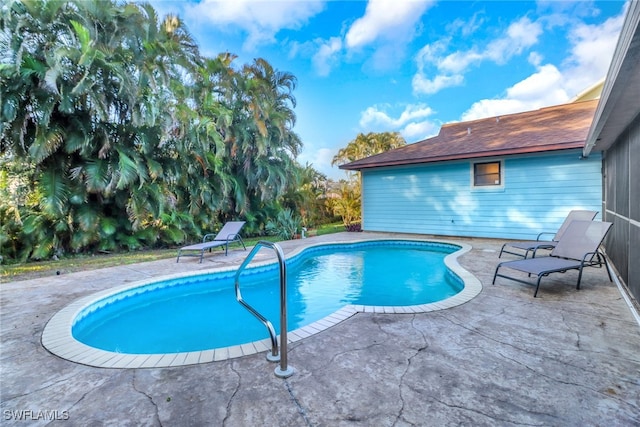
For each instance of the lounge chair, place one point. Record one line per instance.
(533, 245)
(576, 249)
(228, 234)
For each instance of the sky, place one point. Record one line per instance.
(409, 66)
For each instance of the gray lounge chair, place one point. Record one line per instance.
(576, 249)
(533, 245)
(228, 234)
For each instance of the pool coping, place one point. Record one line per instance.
(58, 339)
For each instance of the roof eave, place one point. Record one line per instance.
(478, 155)
(618, 104)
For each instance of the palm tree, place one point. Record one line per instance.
(86, 102)
(127, 135)
(348, 204)
(259, 142)
(201, 175)
(368, 145)
(305, 195)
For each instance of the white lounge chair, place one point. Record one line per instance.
(228, 234)
(533, 245)
(576, 249)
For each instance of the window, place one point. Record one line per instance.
(487, 174)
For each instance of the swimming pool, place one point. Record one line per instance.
(392, 272)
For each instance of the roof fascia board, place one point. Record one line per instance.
(618, 75)
(485, 154)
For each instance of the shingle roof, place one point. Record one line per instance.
(560, 127)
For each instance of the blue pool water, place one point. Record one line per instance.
(201, 312)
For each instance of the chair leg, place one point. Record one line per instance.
(179, 253)
(606, 267)
(535, 294)
(495, 274)
(501, 249)
(579, 276)
(201, 255)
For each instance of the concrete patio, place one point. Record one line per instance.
(566, 358)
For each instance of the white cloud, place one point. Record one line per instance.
(320, 159)
(593, 47)
(305, 49)
(466, 28)
(545, 84)
(588, 62)
(541, 89)
(493, 107)
(560, 13)
(385, 19)
(430, 54)
(327, 55)
(520, 35)
(260, 19)
(384, 32)
(387, 26)
(412, 122)
(377, 115)
(535, 58)
(423, 85)
(418, 131)
(449, 69)
(458, 62)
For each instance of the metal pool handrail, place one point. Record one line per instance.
(283, 371)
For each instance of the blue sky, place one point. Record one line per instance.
(410, 66)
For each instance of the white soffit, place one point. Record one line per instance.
(620, 100)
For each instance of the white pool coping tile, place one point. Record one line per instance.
(192, 358)
(263, 345)
(57, 337)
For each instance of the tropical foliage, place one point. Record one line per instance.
(117, 134)
(307, 196)
(347, 204)
(368, 145)
(286, 225)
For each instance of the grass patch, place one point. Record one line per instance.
(330, 228)
(75, 263)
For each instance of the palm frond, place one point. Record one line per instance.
(87, 217)
(127, 170)
(96, 176)
(55, 192)
(45, 143)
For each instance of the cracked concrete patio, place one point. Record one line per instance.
(566, 358)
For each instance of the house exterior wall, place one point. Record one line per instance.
(537, 193)
(621, 205)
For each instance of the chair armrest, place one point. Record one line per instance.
(543, 233)
(588, 257)
(231, 237)
(206, 236)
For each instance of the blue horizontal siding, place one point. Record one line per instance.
(538, 192)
